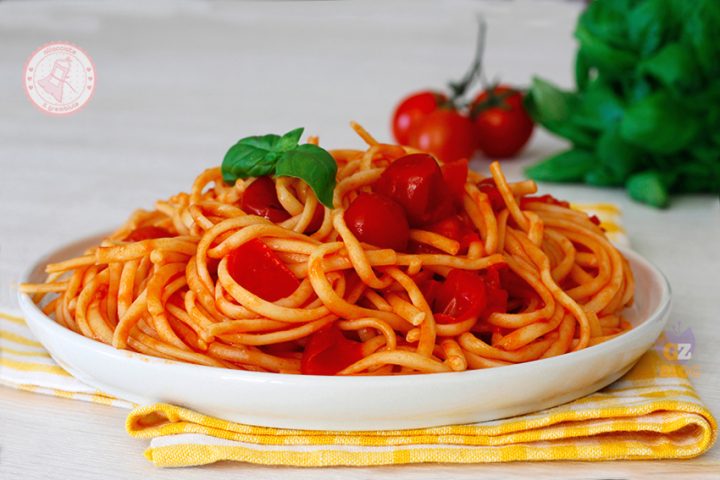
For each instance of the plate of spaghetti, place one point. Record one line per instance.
(350, 290)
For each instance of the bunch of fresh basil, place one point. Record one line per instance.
(646, 113)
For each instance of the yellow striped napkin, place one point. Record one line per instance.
(653, 412)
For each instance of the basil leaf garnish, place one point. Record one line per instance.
(315, 166)
(282, 156)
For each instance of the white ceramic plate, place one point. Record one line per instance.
(356, 403)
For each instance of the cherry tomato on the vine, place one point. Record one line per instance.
(411, 109)
(502, 124)
(445, 133)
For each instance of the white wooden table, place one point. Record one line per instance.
(177, 84)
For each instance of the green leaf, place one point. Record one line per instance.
(602, 176)
(315, 166)
(648, 187)
(554, 109)
(568, 166)
(256, 156)
(617, 155)
(648, 24)
(610, 60)
(701, 30)
(674, 67)
(599, 108)
(659, 124)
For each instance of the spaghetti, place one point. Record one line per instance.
(506, 278)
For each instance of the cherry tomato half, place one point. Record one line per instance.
(455, 175)
(417, 184)
(461, 296)
(260, 198)
(488, 187)
(446, 134)
(146, 233)
(257, 269)
(328, 351)
(411, 109)
(502, 124)
(378, 220)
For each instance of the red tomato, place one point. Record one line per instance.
(146, 233)
(455, 228)
(416, 183)
(261, 199)
(488, 187)
(455, 175)
(446, 134)
(462, 295)
(549, 199)
(256, 268)
(497, 296)
(328, 352)
(502, 125)
(411, 109)
(378, 220)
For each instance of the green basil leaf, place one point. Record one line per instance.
(602, 176)
(674, 67)
(567, 166)
(701, 30)
(620, 157)
(648, 24)
(610, 60)
(659, 124)
(290, 140)
(648, 187)
(315, 166)
(599, 108)
(606, 21)
(554, 108)
(256, 156)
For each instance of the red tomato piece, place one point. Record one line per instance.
(416, 183)
(147, 233)
(446, 134)
(328, 352)
(378, 220)
(455, 176)
(257, 269)
(456, 228)
(411, 109)
(488, 187)
(502, 124)
(594, 219)
(461, 296)
(261, 199)
(549, 199)
(497, 296)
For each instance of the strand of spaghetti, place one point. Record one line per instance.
(250, 356)
(455, 358)
(73, 263)
(263, 307)
(155, 306)
(128, 321)
(410, 360)
(279, 336)
(508, 197)
(330, 299)
(84, 298)
(541, 261)
(532, 351)
(426, 342)
(385, 329)
(357, 254)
